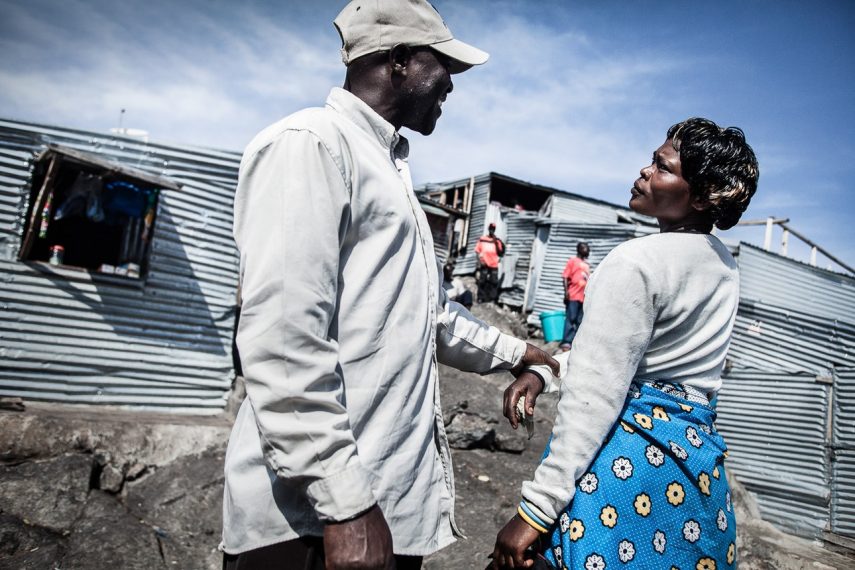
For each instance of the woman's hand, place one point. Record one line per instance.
(527, 384)
(511, 543)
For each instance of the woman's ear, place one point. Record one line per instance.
(399, 58)
(700, 204)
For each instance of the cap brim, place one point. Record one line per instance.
(463, 56)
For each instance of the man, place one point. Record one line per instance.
(338, 457)
(490, 249)
(575, 276)
(455, 288)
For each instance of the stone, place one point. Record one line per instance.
(111, 479)
(50, 493)
(470, 431)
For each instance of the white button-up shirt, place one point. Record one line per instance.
(343, 321)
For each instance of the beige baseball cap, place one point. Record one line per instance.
(369, 26)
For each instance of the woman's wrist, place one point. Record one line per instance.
(525, 512)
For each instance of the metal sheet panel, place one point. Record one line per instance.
(568, 207)
(843, 494)
(786, 283)
(775, 426)
(844, 411)
(778, 339)
(75, 336)
(440, 225)
(521, 228)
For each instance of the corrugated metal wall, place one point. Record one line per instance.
(72, 336)
(773, 338)
(787, 283)
(843, 494)
(572, 209)
(775, 427)
(521, 227)
(561, 246)
(439, 229)
(843, 485)
(788, 404)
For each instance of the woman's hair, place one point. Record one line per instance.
(719, 166)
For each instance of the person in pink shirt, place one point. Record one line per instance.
(575, 276)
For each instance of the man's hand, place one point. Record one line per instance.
(511, 543)
(362, 543)
(527, 384)
(534, 355)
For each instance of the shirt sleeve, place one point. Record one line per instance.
(291, 216)
(568, 270)
(620, 311)
(467, 343)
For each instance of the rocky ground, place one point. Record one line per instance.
(95, 488)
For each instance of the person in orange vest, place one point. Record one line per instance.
(489, 249)
(575, 277)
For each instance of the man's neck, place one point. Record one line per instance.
(378, 101)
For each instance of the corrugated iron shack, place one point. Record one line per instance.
(119, 269)
(523, 213)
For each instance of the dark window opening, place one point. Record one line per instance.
(455, 197)
(517, 196)
(85, 212)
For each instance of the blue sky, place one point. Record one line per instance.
(576, 95)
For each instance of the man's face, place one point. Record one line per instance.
(424, 90)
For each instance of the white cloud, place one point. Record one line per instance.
(556, 104)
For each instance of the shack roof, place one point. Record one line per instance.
(490, 176)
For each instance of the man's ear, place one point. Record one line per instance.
(399, 58)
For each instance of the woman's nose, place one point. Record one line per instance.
(645, 172)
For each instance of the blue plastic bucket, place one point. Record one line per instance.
(553, 325)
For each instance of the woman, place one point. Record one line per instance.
(633, 473)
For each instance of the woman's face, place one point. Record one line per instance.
(661, 191)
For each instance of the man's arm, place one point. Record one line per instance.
(468, 343)
(291, 216)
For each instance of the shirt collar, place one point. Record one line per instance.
(359, 113)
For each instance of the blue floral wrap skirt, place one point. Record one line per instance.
(656, 494)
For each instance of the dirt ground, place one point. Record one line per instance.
(96, 488)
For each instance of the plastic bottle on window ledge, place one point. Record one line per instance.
(57, 253)
(43, 228)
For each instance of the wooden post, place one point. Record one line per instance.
(38, 205)
(813, 256)
(767, 243)
(467, 207)
(785, 237)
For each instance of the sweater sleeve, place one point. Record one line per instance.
(619, 314)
